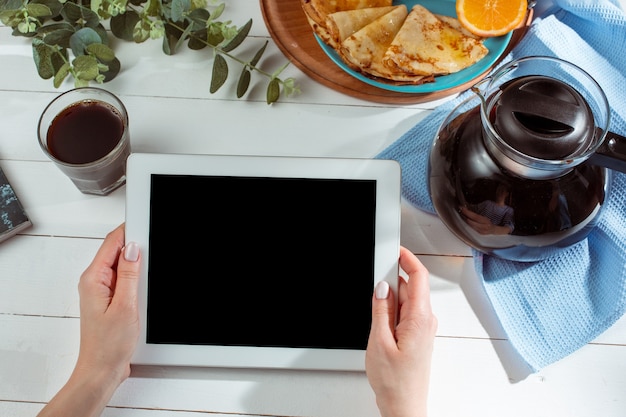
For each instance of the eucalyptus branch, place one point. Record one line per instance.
(58, 27)
(220, 70)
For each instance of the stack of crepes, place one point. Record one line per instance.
(379, 39)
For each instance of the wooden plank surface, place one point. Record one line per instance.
(475, 370)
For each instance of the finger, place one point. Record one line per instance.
(383, 310)
(128, 267)
(417, 294)
(470, 214)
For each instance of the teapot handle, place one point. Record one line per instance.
(611, 153)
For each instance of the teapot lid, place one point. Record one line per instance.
(543, 117)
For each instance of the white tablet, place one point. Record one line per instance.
(260, 262)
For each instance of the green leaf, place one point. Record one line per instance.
(169, 42)
(183, 37)
(44, 30)
(10, 4)
(38, 10)
(179, 8)
(242, 33)
(244, 82)
(123, 25)
(74, 13)
(61, 74)
(59, 37)
(102, 52)
(219, 74)
(10, 17)
(198, 18)
(258, 55)
(273, 91)
(141, 32)
(55, 6)
(41, 54)
(153, 8)
(114, 69)
(218, 11)
(197, 40)
(171, 38)
(101, 31)
(81, 39)
(214, 38)
(86, 67)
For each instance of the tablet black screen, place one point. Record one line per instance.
(250, 261)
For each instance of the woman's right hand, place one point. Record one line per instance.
(398, 358)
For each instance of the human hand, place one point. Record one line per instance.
(109, 329)
(478, 222)
(109, 319)
(398, 358)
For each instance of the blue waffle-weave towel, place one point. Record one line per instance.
(551, 308)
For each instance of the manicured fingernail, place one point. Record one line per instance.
(131, 252)
(382, 290)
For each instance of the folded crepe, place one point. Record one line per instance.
(364, 50)
(427, 45)
(316, 12)
(342, 24)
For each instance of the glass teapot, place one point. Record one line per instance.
(522, 169)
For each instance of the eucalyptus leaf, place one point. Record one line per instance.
(239, 38)
(114, 69)
(81, 39)
(170, 39)
(141, 31)
(55, 6)
(38, 10)
(10, 17)
(86, 67)
(41, 54)
(152, 8)
(244, 82)
(58, 59)
(182, 38)
(73, 12)
(122, 25)
(102, 32)
(214, 38)
(61, 74)
(219, 74)
(198, 18)
(179, 8)
(59, 37)
(95, 5)
(46, 29)
(273, 91)
(198, 40)
(258, 54)
(10, 4)
(218, 11)
(100, 51)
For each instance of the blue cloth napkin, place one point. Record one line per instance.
(551, 308)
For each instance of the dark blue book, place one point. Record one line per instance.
(13, 217)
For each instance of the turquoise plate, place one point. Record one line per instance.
(496, 46)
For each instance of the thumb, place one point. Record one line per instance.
(383, 309)
(127, 275)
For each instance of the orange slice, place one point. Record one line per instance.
(491, 17)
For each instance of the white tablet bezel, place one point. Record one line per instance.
(141, 166)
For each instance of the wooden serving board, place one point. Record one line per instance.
(288, 26)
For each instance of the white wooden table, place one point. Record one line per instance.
(475, 372)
